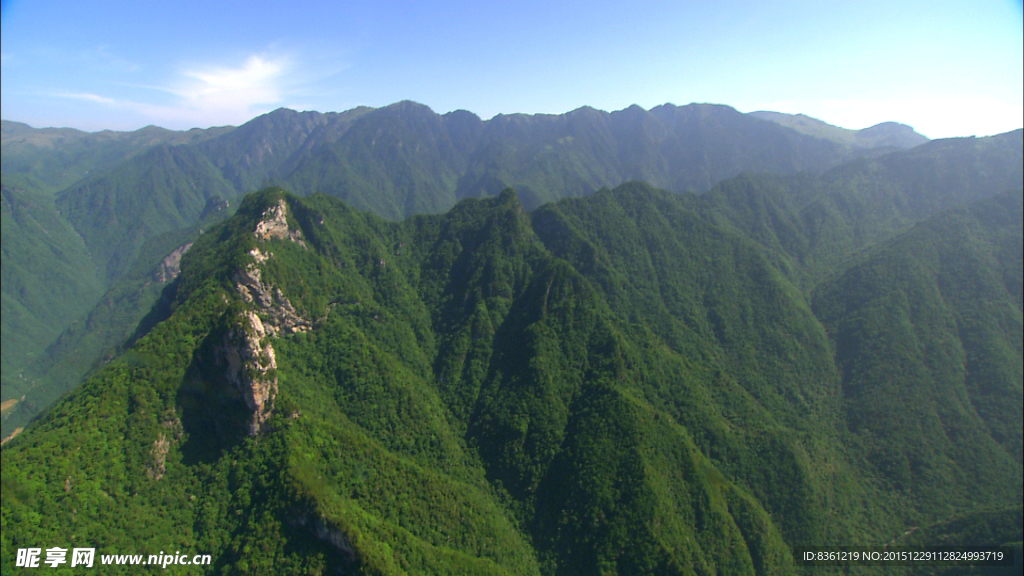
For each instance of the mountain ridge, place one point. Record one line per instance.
(884, 134)
(424, 162)
(609, 384)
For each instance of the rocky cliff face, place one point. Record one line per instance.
(252, 367)
(170, 267)
(276, 311)
(275, 225)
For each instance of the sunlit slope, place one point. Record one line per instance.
(127, 193)
(607, 385)
(933, 319)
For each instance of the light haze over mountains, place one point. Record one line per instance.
(947, 67)
(86, 210)
(504, 309)
(669, 341)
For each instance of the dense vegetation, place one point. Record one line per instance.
(632, 382)
(47, 279)
(114, 199)
(824, 346)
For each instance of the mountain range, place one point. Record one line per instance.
(89, 216)
(676, 341)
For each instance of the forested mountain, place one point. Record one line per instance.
(51, 159)
(47, 277)
(818, 222)
(404, 159)
(120, 202)
(781, 336)
(616, 384)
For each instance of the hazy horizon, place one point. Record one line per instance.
(441, 113)
(947, 69)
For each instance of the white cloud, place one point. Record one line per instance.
(209, 95)
(89, 97)
(230, 90)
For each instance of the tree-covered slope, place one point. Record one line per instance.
(120, 191)
(48, 280)
(270, 145)
(404, 159)
(395, 161)
(116, 213)
(50, 276)
(934, 318)
(816, 222)
(608, 385)
(97, 336)
(678, 148)
(52, 159)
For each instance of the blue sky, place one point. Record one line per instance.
(946, 68)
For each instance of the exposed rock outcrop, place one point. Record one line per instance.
(252, 368)
(158, 466)
(274, 224)
(325, 532)
(11, 436)
(170, 267)
(274, 308)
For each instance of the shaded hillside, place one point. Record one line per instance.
(100, 334)
(52, 159)
(56, 366)
(818, 222)
(48, 281)
(607, 385)
(934, 317)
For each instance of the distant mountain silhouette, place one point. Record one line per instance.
(884, 135)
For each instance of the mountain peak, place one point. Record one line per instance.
(883, 135)
(409, 106)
